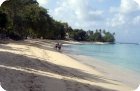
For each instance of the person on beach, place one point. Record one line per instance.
(59, 46)
(56, 45)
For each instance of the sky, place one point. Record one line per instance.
(119, 16)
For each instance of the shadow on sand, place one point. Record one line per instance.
(19, 73)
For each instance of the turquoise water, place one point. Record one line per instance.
(123, 55)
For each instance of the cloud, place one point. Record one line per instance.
(126, 7)
(138, 1)
(117, 20)
(129, 6)
(120, 18)
(125, 14)
(42, 2)
(1, 1)
(84, 11)
(125, 19)
(76, 12)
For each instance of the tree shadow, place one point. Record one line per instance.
(26, 78)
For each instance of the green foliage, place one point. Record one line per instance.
(102, 36)
(79, 35)
(109, 37)
(3, 20)
(97, 36)
(27, 19)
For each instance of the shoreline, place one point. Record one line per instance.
(109, 70)
(85, 42)
(37, 64)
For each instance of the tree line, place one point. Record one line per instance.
(23, 18)
(20, 19)
(98, 35)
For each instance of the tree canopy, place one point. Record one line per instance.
(97, 36)
(20, 19)
(3, 21)
(27, 18)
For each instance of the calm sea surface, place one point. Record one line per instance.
(123, 55)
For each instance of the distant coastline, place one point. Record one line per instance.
(127, 43)
(86, 42)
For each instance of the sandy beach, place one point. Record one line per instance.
(34, 65)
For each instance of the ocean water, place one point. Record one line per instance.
(123, 55)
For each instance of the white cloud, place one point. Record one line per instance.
(125, 14)
(80, 14)
(117, 20)
(1, 1)
(78, 11)
(42, 2)
(138, 1)
(125, 19)
(128, 6)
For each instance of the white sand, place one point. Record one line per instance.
(35, 66)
